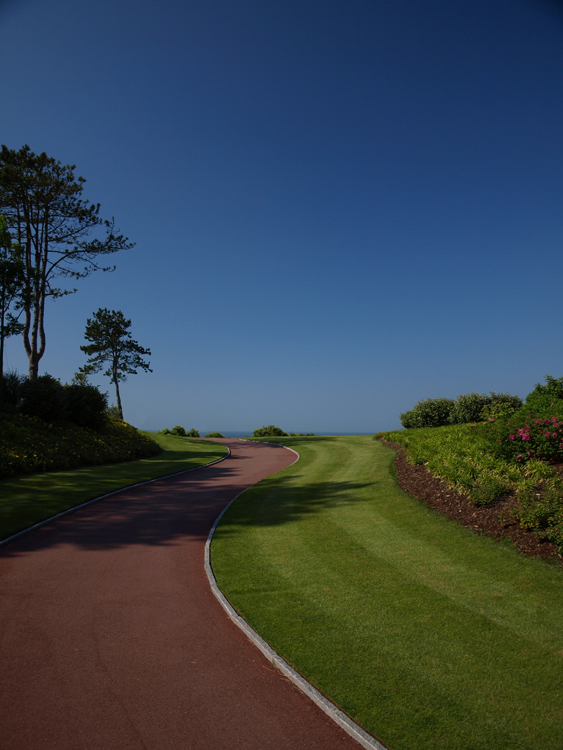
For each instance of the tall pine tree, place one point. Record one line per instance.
(111, 343)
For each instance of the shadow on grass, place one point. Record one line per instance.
(185, 506)
(277, 501)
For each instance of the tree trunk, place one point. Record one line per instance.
(118, 396)
(2, 353)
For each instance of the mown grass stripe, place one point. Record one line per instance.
(424, 633)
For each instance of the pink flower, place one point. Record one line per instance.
(546, 433)
(525, 437)
(491, 419)
(551, 404)
(512, 437)
(538, 421)
(554, 419)
(553, 434)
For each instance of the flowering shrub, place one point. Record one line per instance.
(523, 436)
(29, 445)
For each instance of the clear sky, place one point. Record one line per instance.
(340, 207)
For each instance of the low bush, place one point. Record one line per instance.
(547, 395)
(43, 398)
(301, 434)
(500, 405)
(179, 431)
(542, 512)
(11, 389)
(29, 444)
(85, 405)
(433, 412)
(214, 435)
(470, 407)
(46, 398)
(269, 431)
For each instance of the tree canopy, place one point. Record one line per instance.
(111, 343)
(51, 222)
(11, 284)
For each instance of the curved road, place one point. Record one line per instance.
(110, 636)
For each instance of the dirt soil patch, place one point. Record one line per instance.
(494, 520)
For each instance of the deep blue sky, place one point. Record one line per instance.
(340, 207)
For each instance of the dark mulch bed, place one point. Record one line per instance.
(493, 520)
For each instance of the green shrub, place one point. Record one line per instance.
(542, 512)
(11, 388)
(544, 396)
(46, 398)
(468, 408)
(43, 398)
(214, 435)
(85, 405)
(433, 412)
(179, 431)
(301, 434)
(269, 431)
(501, 405)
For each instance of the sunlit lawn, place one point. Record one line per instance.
(426, 634)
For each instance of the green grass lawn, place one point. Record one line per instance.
(28, 499)
(426, 634)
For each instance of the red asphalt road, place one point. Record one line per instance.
(110, 636)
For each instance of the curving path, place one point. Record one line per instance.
(110, 636)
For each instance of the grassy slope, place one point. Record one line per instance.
(426, 634)
(29, 499)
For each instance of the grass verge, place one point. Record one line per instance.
(423, 632)
(29, 499)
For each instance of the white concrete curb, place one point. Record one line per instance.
(344, 721)
(109, 494)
